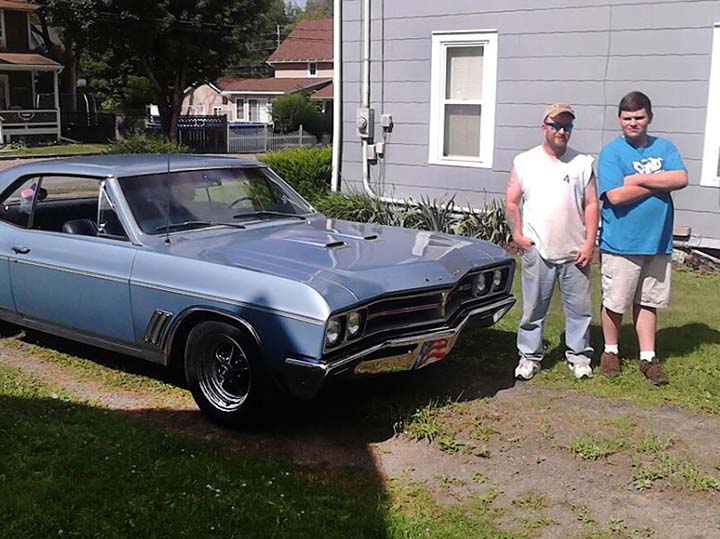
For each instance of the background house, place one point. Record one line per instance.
(29, 102)
(465, 83)
(302, 62)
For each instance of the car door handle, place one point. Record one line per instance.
(21, 250)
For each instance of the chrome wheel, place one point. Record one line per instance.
(224, 376)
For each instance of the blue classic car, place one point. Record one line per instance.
(218, 266)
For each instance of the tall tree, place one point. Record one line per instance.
(319, 9)
(76, 23)
(175, 43)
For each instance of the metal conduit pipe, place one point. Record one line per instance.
(337, 95)
(366, 94)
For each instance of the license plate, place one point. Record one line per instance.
(431, 352)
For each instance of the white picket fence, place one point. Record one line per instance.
(261, 138)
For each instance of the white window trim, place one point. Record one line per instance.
(218, 110)
(711, 153)
(440, 40)
(310, 74)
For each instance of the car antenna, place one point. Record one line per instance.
(167, 194)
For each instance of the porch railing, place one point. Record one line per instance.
(30, 122)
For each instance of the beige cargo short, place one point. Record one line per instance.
(635, 279)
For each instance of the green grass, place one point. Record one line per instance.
(70, 470)
(60, 149)
(688, 344)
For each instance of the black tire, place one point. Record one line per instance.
(225, 375)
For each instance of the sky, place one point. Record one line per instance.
(300, 3)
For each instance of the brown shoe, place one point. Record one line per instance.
(654, 372)
(610, 364)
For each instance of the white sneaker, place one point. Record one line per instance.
(526, 369)
(581, 371)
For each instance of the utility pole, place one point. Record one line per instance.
(277, 26)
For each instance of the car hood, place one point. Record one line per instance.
(365, 260)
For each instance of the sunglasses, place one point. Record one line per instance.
(557, 127)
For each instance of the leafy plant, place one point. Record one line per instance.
(306, 169)
(426, 214)
(436, 214)
(290, 111)
(139, 143)
(489, 224)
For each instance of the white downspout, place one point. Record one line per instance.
(337, 95)
(366, 95)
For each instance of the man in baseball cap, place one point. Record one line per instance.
(555, 229)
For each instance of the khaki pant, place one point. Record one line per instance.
(635, 279)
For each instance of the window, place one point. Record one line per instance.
(312, 69)
(2, 29)
(711, 155)
(66, 204)
(239, 109)
(462, 102)
(253, 110)
(218, 111)
(4, 92)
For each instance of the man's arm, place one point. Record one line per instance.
(627, 194)
(669, 180)
(590, 215)
(513, 196)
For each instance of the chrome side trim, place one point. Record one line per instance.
(437, 334)
(71, 334)
(70, 270)
(169, 338)
(227, 301)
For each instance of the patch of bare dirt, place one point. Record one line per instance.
(527, 432)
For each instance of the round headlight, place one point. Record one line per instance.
(354, 324)
(480, 283)
(332, 332)
(497, 279)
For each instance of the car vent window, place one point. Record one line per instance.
(17, 207)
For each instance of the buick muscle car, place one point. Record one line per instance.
(217, 266)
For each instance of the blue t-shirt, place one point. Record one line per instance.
(643, 227)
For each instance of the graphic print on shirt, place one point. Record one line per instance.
(651, 165)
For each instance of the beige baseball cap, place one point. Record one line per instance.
(558, 108)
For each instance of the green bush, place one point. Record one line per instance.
(306, 169)
(427, 214)
(290, 111)
(139, 143)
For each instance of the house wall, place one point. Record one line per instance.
(576, 51)
(16, 31)
(201, 101)
(300, 70)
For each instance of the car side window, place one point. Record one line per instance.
(70, 205)
(16, 208)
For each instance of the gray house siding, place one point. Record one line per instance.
(559, 50)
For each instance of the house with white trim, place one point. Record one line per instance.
(435, 99)
(303, 62)
(29, 97)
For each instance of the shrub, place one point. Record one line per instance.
(139, 143)
(290, 111)
(306, 169)
(489, 224)
(427, 214)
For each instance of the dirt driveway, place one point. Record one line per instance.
(559, 463)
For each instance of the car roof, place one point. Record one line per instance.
(122, 165)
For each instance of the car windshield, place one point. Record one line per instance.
(195, 199)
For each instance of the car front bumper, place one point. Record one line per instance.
(304, 378)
